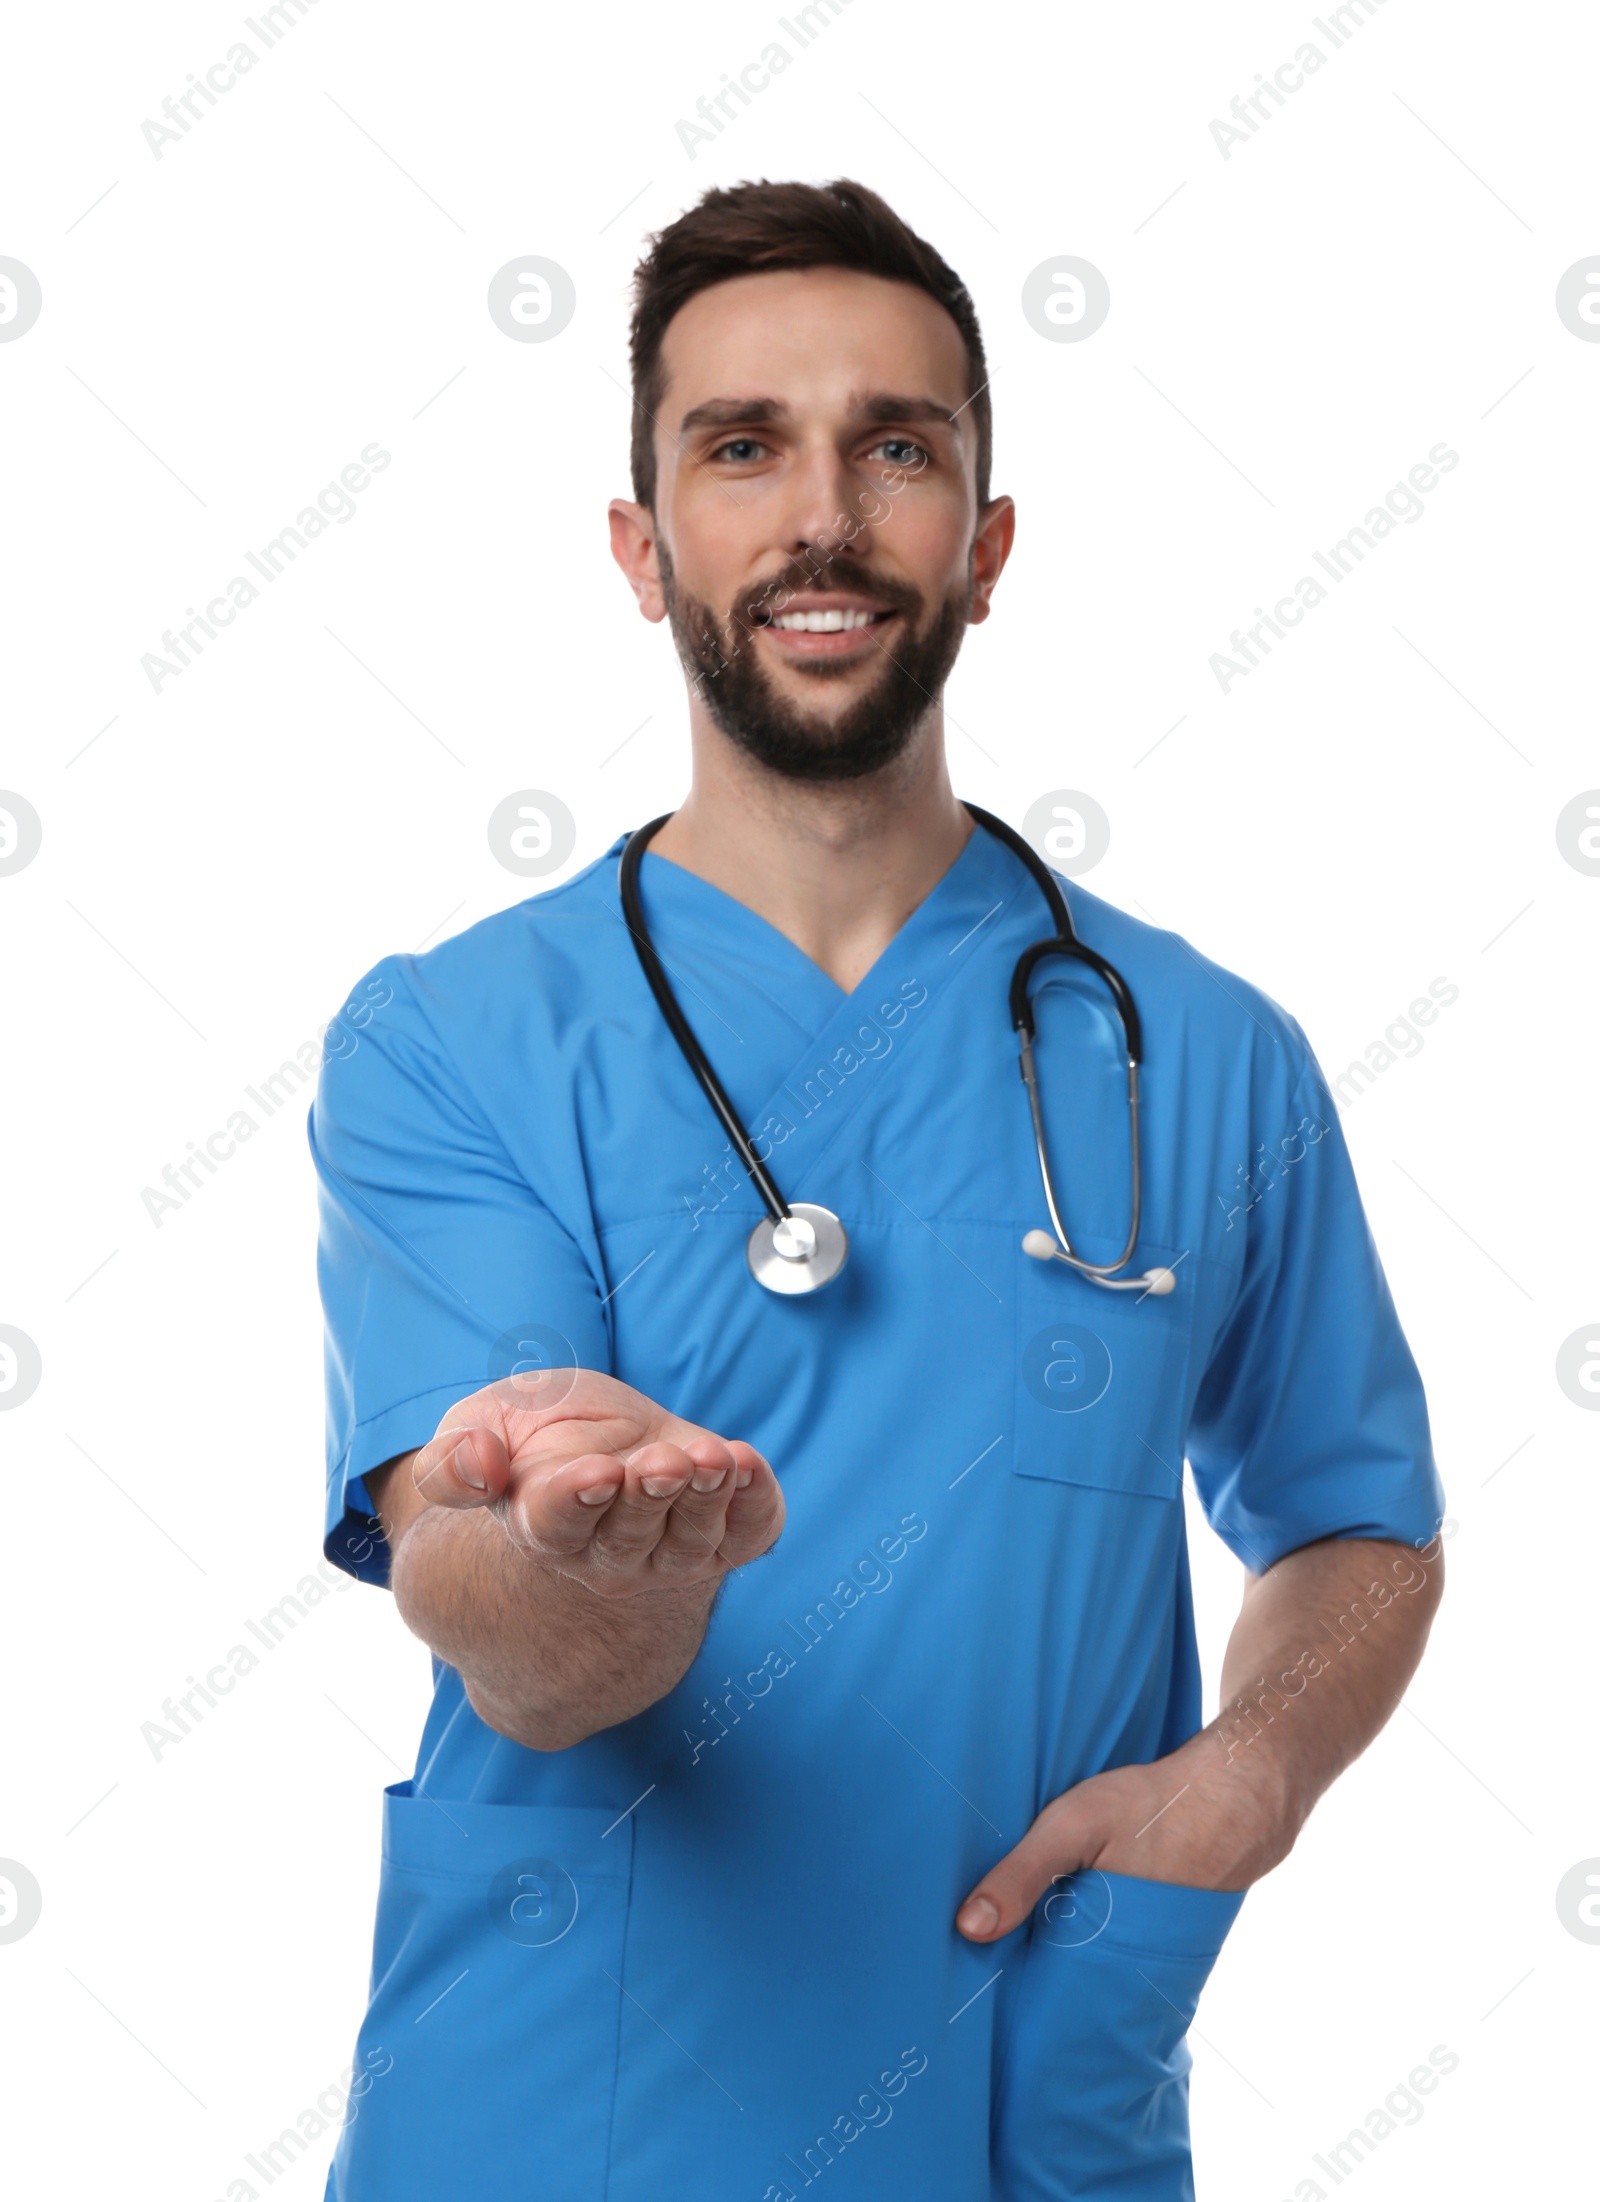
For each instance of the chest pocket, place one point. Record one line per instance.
(1101, 1376)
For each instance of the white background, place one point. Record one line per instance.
(1374, 807)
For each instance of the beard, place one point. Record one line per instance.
(720, 660)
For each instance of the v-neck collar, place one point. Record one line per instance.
(957, 911)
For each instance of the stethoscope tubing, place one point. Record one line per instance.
(1064, 942)
(678, 1024)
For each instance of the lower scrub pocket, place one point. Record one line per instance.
(487, 2061)
(1093, 2098)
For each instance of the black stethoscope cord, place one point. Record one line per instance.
(799, 1248)
(678, 1024)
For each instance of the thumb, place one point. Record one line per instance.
(1061, 1840)
(462, 1468)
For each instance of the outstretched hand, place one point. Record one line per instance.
(593, 1479)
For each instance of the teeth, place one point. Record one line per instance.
(822, 623)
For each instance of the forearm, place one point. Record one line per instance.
(544, 1659)
(1324, 1647)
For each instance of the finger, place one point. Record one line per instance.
(712, 1460)
(558, 1500)
(1059, 1841)
(462, 1468)
(654, 1476)
(755, 1513)
(693, 1528)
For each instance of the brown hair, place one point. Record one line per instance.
(755, 226)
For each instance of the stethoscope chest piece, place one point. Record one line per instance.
(801, 1252)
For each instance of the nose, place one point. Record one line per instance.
(824, 511)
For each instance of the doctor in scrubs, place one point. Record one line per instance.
(816, 1791)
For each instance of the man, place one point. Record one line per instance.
(815, 1786)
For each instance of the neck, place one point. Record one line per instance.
(837, 867)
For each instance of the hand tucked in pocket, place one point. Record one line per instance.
(1190, 1817)
(1226, 1806)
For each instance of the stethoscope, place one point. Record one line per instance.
(799, 1246)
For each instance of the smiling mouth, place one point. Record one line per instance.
(833, 622)
(824, 629)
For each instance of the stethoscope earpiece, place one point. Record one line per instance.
(1043, 1248)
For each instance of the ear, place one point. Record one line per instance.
(633, 546)
(991, 547)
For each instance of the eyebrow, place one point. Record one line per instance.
(881, 407)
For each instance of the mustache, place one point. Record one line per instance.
(801, 575)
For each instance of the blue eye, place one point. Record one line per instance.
(738, 448)
(910, 450)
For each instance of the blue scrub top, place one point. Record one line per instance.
(710, 1951)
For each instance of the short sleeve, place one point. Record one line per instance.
(438, 1265)
(1310, 1419)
